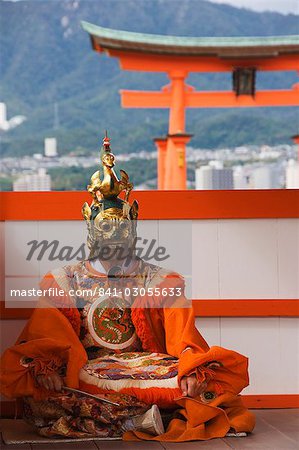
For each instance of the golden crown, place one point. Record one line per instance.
(105, 192)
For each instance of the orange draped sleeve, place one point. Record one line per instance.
(229, 369)
(49, 341)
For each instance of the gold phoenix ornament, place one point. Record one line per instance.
(110, 220)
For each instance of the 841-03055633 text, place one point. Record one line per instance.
(100, 291)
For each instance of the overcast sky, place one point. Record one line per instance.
(282, 6)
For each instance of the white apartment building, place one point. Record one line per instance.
(50, 145)
(211, 177)
(40, 181)
(292, 174)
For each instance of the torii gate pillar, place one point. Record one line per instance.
(161, 145)
(172, 168)
(175, 174)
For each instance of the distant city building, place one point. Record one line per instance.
(216, 164)
(50, 147)
(33, 182)
(292, 174)
(266, 177)
(203, 178)
(38, 156)
(240, 178)
(222, 179)
(267, 152)
(209, 177)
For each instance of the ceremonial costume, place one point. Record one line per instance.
(130, 347)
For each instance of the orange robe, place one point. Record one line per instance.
(51, 337)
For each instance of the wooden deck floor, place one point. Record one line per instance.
(275, 430)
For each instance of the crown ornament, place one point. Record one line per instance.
(105, 190)
(110, 187)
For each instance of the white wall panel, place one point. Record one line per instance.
(261, 340)
(67, 233)
(289, 354)
(248, 258)
(176, 237)
(209, 328)
(205, 264)
(148, 229)
(288, 258)
(17, 235)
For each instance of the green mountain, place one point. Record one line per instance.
(50, 74)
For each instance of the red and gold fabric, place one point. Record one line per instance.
(150, 377)
(78, 416)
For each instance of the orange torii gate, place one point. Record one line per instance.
(177, 56)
